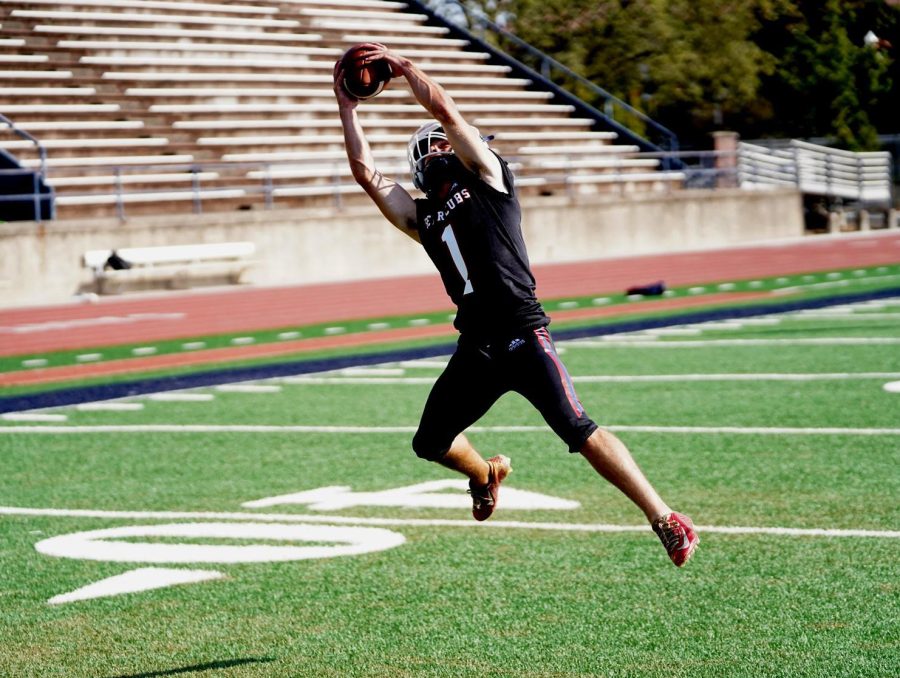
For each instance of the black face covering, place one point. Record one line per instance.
(436, 173)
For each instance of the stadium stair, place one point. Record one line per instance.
(179, 106)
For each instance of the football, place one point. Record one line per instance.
(364, 80)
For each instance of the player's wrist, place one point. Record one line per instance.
(400, 66)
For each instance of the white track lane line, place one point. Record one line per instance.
(78, 323)
(413, 522)
(367, 430)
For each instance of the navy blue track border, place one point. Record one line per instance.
(83, 394)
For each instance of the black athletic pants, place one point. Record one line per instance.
(478, 374)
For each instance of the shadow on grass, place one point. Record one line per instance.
(210, 666)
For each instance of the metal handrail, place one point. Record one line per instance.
(37, 177)
(663, 139)
(698, 170)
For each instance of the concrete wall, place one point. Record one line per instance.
(41, 263)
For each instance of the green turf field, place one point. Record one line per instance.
(354, 582)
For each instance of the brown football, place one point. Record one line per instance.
(364, 80)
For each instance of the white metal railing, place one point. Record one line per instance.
(196, 187)
(818, 170)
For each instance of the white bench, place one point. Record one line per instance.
(296, 78)
(365, 15)
(196, 47)
(77, 125)
(65, 15)
(540, 122)
(322, 92)
(164, 5)
(156, 31)
(112, 160)
(47, 109)
(107, 142)
(377, 4)
(23, 58)
(61, 91)
(390, 28)
(151, 196)
(327, 124)
(305, 139)
(410, 109)
(112, 179)
(173, 265)
(34, 75)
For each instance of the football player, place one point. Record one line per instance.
(469, 225)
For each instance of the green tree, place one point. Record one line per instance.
(825, 64)
(690, 63)
(761, 67)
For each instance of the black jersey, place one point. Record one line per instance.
(473, 235)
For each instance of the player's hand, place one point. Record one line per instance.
(343, 97)
(373, 51)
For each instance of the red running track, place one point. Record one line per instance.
(177, 315)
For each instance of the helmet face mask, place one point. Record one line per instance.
(420, 153)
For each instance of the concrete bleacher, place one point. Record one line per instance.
(228, 106)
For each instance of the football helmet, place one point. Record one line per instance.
(419, 150)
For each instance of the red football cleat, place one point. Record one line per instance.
(484, 498)
(676, 532)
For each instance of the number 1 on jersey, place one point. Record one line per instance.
(449, 237)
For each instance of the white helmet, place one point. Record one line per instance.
(419, 149)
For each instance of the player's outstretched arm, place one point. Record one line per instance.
(463, 137)
(395, 203)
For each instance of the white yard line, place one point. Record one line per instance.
(375, 371)
(819, 315)
(105, 406)
(619, 378)
(690, 343)
(249, 428)
(762, 376)
(306, 381)
(424, 364)
(835, 283)
(177, 397)
(249, 388)
(32, 416)
(415, 522)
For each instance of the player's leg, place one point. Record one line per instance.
(462, 394)
(547, 384)
(612, 459)
(536, 371)
(544, 380)
(464, 458)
